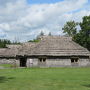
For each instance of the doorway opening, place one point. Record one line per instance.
(23, 62)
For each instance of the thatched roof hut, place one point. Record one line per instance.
(54, 46)
(50, 51)
(10, 52)
(49, 46)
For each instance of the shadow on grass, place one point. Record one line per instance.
(4, 79)
(87, 85)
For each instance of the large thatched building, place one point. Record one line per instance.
(51, 51)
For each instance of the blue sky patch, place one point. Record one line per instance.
(43, 1)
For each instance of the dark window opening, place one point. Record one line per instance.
(42, 59)
(74, 60)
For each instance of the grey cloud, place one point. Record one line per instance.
(23, 21)
(4, 2)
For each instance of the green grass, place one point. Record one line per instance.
(45, 79)
(6, 65)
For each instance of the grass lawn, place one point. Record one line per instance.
(6, 65)
(45, 79)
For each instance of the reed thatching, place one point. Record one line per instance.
(10, 51)
(54, 46)
(48, 46)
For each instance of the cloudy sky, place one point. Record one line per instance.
(24, 19)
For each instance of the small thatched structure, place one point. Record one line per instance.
(51, 51)
(8, 55)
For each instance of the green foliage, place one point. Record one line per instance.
(3, 43)
(45, 79)
(35, 40)
(6, 65)
(83, 37)
(70, 28)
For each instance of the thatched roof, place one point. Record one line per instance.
(10, 51)
(48, 46)
(54, 46)
(26, 47)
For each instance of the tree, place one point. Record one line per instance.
(3, 43)
(34, 40)
(41, 33)
(37, 39)
(70, 28)
(83, 37)
(49, 34)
